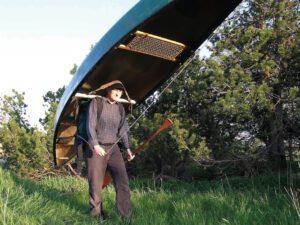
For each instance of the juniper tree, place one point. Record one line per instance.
(24, 146)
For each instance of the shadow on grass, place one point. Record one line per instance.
(71, 199)
(65, 205)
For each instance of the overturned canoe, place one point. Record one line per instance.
(143, 49)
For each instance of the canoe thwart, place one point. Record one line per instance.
(90, 96)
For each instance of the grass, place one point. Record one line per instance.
(64, 200)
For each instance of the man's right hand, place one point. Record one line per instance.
(99, 150)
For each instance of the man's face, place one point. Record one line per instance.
(114, 94)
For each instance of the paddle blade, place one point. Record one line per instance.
(167, 123)
(107, 180)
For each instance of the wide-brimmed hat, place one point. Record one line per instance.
(116, 84)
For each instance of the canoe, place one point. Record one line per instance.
(142, 50)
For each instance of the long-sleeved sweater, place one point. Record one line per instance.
(109, 127)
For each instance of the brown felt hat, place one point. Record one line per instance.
(116, 84)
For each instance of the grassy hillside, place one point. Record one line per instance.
(64, 200)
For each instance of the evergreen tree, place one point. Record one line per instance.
(23, 145)
(14, 107)
(264, 45)
(51, 100)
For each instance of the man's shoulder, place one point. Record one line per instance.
(98, 100)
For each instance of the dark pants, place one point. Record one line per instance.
(114, 163)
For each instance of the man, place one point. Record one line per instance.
(105, 129)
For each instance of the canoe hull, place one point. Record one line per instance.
(189, 22)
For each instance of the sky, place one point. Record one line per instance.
(40, 40)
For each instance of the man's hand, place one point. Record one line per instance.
(99, 150)
(130, 155)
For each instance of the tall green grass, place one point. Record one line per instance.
(64, 200)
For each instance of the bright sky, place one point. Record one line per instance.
(40, 40)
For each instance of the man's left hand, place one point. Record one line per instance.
(130, 155)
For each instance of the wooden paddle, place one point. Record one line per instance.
(167, 123)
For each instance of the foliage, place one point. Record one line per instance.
(74, 69)
(51, 100)
(264, 47)
(14, 107)
(24, 146)
(167, 153)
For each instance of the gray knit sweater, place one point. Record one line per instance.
(109, 127)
